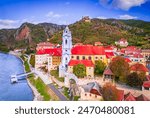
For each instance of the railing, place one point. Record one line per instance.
(14, 78)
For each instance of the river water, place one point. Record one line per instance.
(20, 91)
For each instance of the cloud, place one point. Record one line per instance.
(102, 17)
(7, 23)
(122, 4)
(127, 4)
(126, 17)
(51, 14)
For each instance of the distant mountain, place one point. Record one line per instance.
(27, 35)
(107, 31)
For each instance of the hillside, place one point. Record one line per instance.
(27, 35)
(108, 31)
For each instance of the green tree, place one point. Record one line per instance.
(109, 92)
(120, 68)
(136, 79)
(32, 60)
(99, 67)
(133, 79)
(79, 70)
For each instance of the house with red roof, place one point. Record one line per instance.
(98, 44)
(108, 74)
(142, 98)
(146, 85)
(129, 97)
(88, 52)
(49, 58)
(45, 45)
(88, 64)
(122, 42)
(91, 91)
(138, 67)
(120, 95)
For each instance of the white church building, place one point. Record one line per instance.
(66, 51)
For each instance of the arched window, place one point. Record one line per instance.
(89, 57)
(66, 60)
(66, 42)
(77, 57)
(83, 57)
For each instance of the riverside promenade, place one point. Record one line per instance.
(46, 79)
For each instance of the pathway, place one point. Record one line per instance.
(46, 79)
(57, 92)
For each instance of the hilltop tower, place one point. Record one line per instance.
(66, 51)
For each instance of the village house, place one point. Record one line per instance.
(91, 91)
(89, 52)
(88, 64)
(45, 45)
(122, 42)
(50, 58)
(146, 53)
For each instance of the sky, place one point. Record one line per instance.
(15, 12)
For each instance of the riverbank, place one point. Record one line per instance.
(37, 95)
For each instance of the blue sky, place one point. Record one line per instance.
(14, 12)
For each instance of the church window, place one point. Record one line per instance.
(66, 59)
(77, 57)
(72, 57)
(89, 57)
(66, 42)
(83, 57)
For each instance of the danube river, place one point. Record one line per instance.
(20, 91)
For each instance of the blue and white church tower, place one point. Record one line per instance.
(66, 51)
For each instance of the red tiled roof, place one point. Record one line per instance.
(88, 50)
(129, 97)
(127, 60)
(146, 84)
(138, 67)
(54, 51)
(87, 63)
(123, 40)
(98, 43)
(137, 55)
(109, 47)
(120, 95)
(148, 77)
(109, 54)
(142, 98)
(107, 71)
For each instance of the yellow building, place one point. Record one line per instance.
(89, 52)
(88, 64)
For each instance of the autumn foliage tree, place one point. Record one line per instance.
(135, 79)
(109, 92)
(79, 70)
(120, 68)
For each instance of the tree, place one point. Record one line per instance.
(79, 70)
(32, 60)
(135, 80)
(99, 67)
(120, 68)
(109, 92)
